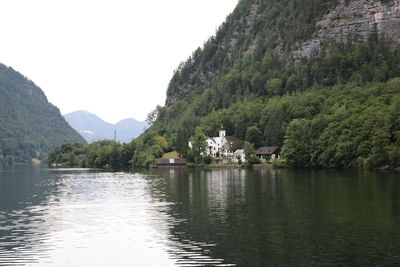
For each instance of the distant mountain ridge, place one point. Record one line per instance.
(30, 126)
(93, 128)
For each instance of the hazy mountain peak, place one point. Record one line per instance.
(93, 128)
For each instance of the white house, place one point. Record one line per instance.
(239, 155)
(220, 146)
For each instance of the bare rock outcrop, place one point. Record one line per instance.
(354, 21)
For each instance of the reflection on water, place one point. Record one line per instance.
(198, 218)
(288, 217)
(78, 218)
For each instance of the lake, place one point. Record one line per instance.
(199, 218)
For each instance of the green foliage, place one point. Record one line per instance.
(341, 126)
(337, 109)
(161, 142)
(208, 159)
(70, 154)
(199, 145)
(235, 101)
(278, 163)
(253, 136)
(263, 27)
(144, 159)
(101, 154)
(253, 159)
(153, 115)
(181, 142)
(355, 127)
(149, 147)
(30, 126)
(171, 155)
(274, 87)
(249, 149)
(297, 145)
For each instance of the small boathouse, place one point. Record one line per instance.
(174, 162)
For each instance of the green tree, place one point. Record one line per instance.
(161, 141)
(182, 146)
(253, 159)
(249, 149)
(153, 115)
(199, 144)
(297, 144)
(253, 136)
(273, 86)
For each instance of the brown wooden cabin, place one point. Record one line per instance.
(269, 152)
(175, 162)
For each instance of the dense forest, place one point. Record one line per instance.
(100, 154)
(340, 126)
(339, 107)
(30, 126)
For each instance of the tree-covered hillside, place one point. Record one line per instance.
(318, 78)
(254, 30)
(30, 126)
(250, 74)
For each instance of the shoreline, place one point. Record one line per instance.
(231, 166)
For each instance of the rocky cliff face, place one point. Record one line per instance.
(354, 21)
(285, 29)
(218, 54)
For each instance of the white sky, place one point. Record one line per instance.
(113, 58)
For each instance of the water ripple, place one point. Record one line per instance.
(115, 218)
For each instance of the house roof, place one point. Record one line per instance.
(231, 138)
(267, 150)
(239, 151)
(213, 139)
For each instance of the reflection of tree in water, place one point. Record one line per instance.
(286, 217)
(175, 187)
(208, 202)
(210, 218)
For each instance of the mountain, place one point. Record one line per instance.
(92, 128)
(29, 125)
(318, 78)
(129, 129)
(287, 31)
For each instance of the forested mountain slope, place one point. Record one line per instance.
(30, 126)
(265, 62)
(318, 78)
(287, 31)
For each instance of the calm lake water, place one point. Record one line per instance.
(199, 218)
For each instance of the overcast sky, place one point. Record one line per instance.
(113, 58)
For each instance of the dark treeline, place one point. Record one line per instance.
(100, 154)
